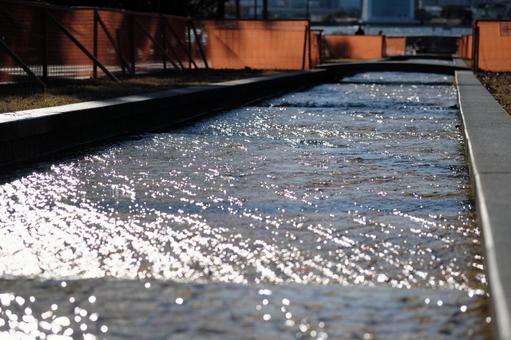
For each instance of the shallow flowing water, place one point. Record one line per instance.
(339, 212)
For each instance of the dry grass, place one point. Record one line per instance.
(341, 61)
(499, 84)
(61, 92)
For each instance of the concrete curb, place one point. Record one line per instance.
(488, 136)
(391, 66)
(33, 134)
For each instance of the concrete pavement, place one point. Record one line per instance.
(488, 140)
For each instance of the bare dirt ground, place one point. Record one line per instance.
(499, 84)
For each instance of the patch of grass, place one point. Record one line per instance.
(68, 91)
(499, 84)
(341, 61)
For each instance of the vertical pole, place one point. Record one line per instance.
(118, 38)
(85, 51)
(320, 46)
(384, 46)
(164, 43)
(95, 44)
(255, 9)
(310, 45)
(44, 50)
(199, 43)
(304, 56)
(132, 44)
(189, 46)
(265, 9)
(475, 49)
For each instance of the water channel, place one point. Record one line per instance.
(342, 211)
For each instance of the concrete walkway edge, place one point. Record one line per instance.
(34, 134)
(487, 128)
(347, 69)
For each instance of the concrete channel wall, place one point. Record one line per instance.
(34, 134)
(347, 69)
(488, 138)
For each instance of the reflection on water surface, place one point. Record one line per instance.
(339, 212)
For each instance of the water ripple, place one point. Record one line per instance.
(342, 185)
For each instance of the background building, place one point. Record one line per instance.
(448, 12)
(316, 9)
(388, 11)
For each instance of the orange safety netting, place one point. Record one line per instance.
(316, 38)
(395, 46)
(87, 42)
(259, 44)
(42, 37)
(493, 50)
(465, 47)
(354, 46)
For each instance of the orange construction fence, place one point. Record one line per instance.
(465, 47)
(492, 43)
(82, 42)
(355, 46)
(261, 44)
(45, 41)
(316, 47)
(395, 46)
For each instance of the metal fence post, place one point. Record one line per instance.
(189, 45)
(164, 42)
(320, 46)
(159, 46)
(116, 44)
(78, 44)
(310, 45)
(384, 46)
(44, 50)
(475, 49)
(180, 43)
(95, 44)
(198, 40)
(119, 53)
(132, 43)
(304, 56)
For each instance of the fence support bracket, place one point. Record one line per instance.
(116, 46)
(181, 44)
(158, 45)
(197, 39)
(83, 48)
(22, 64)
